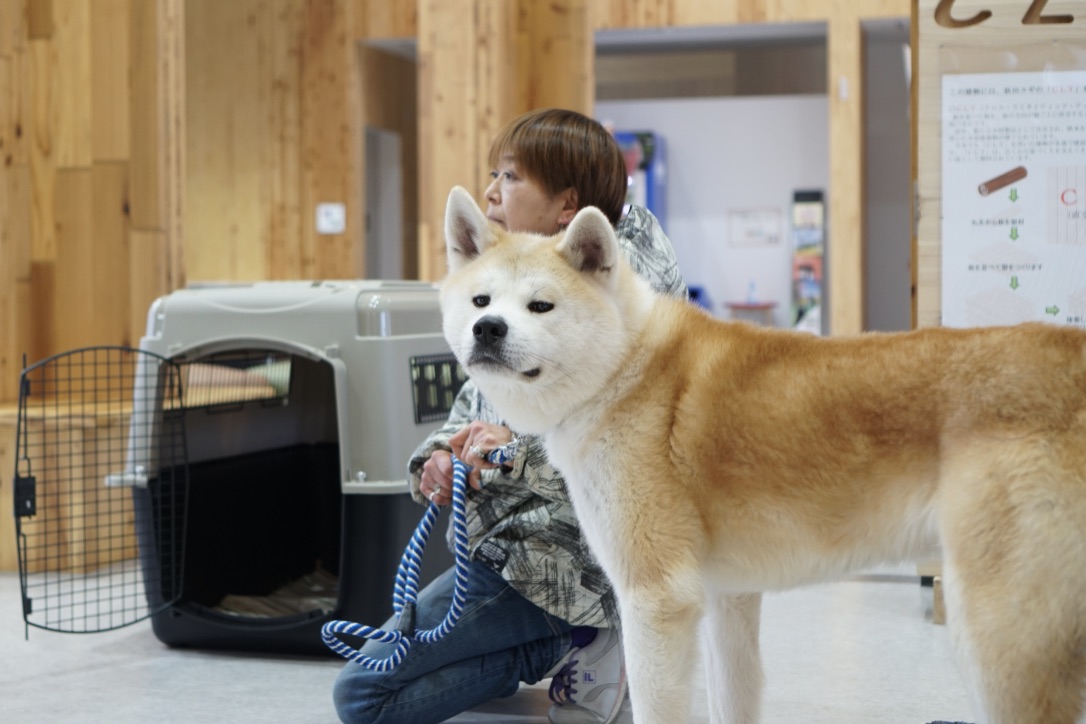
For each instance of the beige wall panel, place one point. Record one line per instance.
(157, 147)
(560, 48)
(385, 19)
(39, 19)
(280, 184)
(12, 27)
(148, 264)
(110, 259)
(9, 114)
(332, 135)
(91, 269)
(73, 287)
(272, 130)
(41, 130)
(14, 108)
(631, 13)
(15, 319)
(73, 119)
(109, 63)
(480, 65)
(225, 139)
(1003, 29)
(610, 14)
(147, 141)
(42, 310)
(449, 147)
(9, 420)
(500, 30)
(845, 198)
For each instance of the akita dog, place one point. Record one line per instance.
(710, 461)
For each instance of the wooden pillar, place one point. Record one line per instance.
(845, 207)
(481, 63)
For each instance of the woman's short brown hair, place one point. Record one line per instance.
(561, 149)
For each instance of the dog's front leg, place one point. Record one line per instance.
(658, 632)
(733, 660)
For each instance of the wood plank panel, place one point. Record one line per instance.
(110, 267)
(846, 194)
(500, 30)
(42, 85)
(144, 123)
(389, 20)
(91, 297)
(556, 55)
(148, 279)
(39, 19)
(281, 183)
(14, 105)
(73, 120)
(14, 276)
(9, 560)
(109, 63)
(73, 289)
(13, 29)
(224, 142)
(332, 136)
(449, 146)
(170, 102)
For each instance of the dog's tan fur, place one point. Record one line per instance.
(711, 461)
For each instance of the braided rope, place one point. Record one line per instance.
(406, 590)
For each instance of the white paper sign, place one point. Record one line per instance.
(1014, 198)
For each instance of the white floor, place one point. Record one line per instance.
(861, 651)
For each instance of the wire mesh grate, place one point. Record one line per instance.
(100, 488)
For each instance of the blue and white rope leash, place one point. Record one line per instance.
(406, 592)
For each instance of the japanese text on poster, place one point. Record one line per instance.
(1014, 198)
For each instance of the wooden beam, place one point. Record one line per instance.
(845, 238)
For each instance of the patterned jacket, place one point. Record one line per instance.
(522, 523)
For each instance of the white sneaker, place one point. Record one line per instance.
(590, 684)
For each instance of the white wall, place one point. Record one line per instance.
(729, 154)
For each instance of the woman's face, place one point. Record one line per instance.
(519, 203)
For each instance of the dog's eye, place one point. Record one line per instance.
(540, 307)
(481, 300)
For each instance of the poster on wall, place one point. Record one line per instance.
(808, 224)
(1014, 198)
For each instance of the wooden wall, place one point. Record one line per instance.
(89, 184)
(273, 130)
(146, 144)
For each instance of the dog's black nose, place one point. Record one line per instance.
(490, 330)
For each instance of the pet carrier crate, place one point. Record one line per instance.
(239, 478)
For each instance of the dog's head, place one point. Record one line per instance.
(539, 323)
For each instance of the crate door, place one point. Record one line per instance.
(100, 489)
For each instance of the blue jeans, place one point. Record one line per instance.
(500, 640)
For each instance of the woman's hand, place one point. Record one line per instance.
(474, 442)
(471, 444)
(436, 481)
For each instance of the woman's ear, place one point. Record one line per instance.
(569, 206)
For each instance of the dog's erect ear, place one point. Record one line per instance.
(589, 244)
(467, 232)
